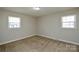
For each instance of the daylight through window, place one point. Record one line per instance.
(68, 21)
(14, 22)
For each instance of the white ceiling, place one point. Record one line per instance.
(43, 10)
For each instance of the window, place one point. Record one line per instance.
(14, 22)
(68, 21)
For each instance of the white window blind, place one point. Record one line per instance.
(68, 21)
(14, 22)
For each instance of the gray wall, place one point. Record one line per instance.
(28, 27)
(50, 26)
(1, 37)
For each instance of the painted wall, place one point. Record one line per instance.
(1, 37)
(50, 26)
(28, 27)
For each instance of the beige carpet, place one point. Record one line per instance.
(38, 44)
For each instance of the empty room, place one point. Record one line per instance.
(39, 29)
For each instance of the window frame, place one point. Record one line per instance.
(19, 23)
(74, 22)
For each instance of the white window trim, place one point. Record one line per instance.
(74, 22)
(14, 27)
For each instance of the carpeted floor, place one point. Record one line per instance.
(38, 44)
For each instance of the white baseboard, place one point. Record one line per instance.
(60, 39)
(42, 36)
(15, 39)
